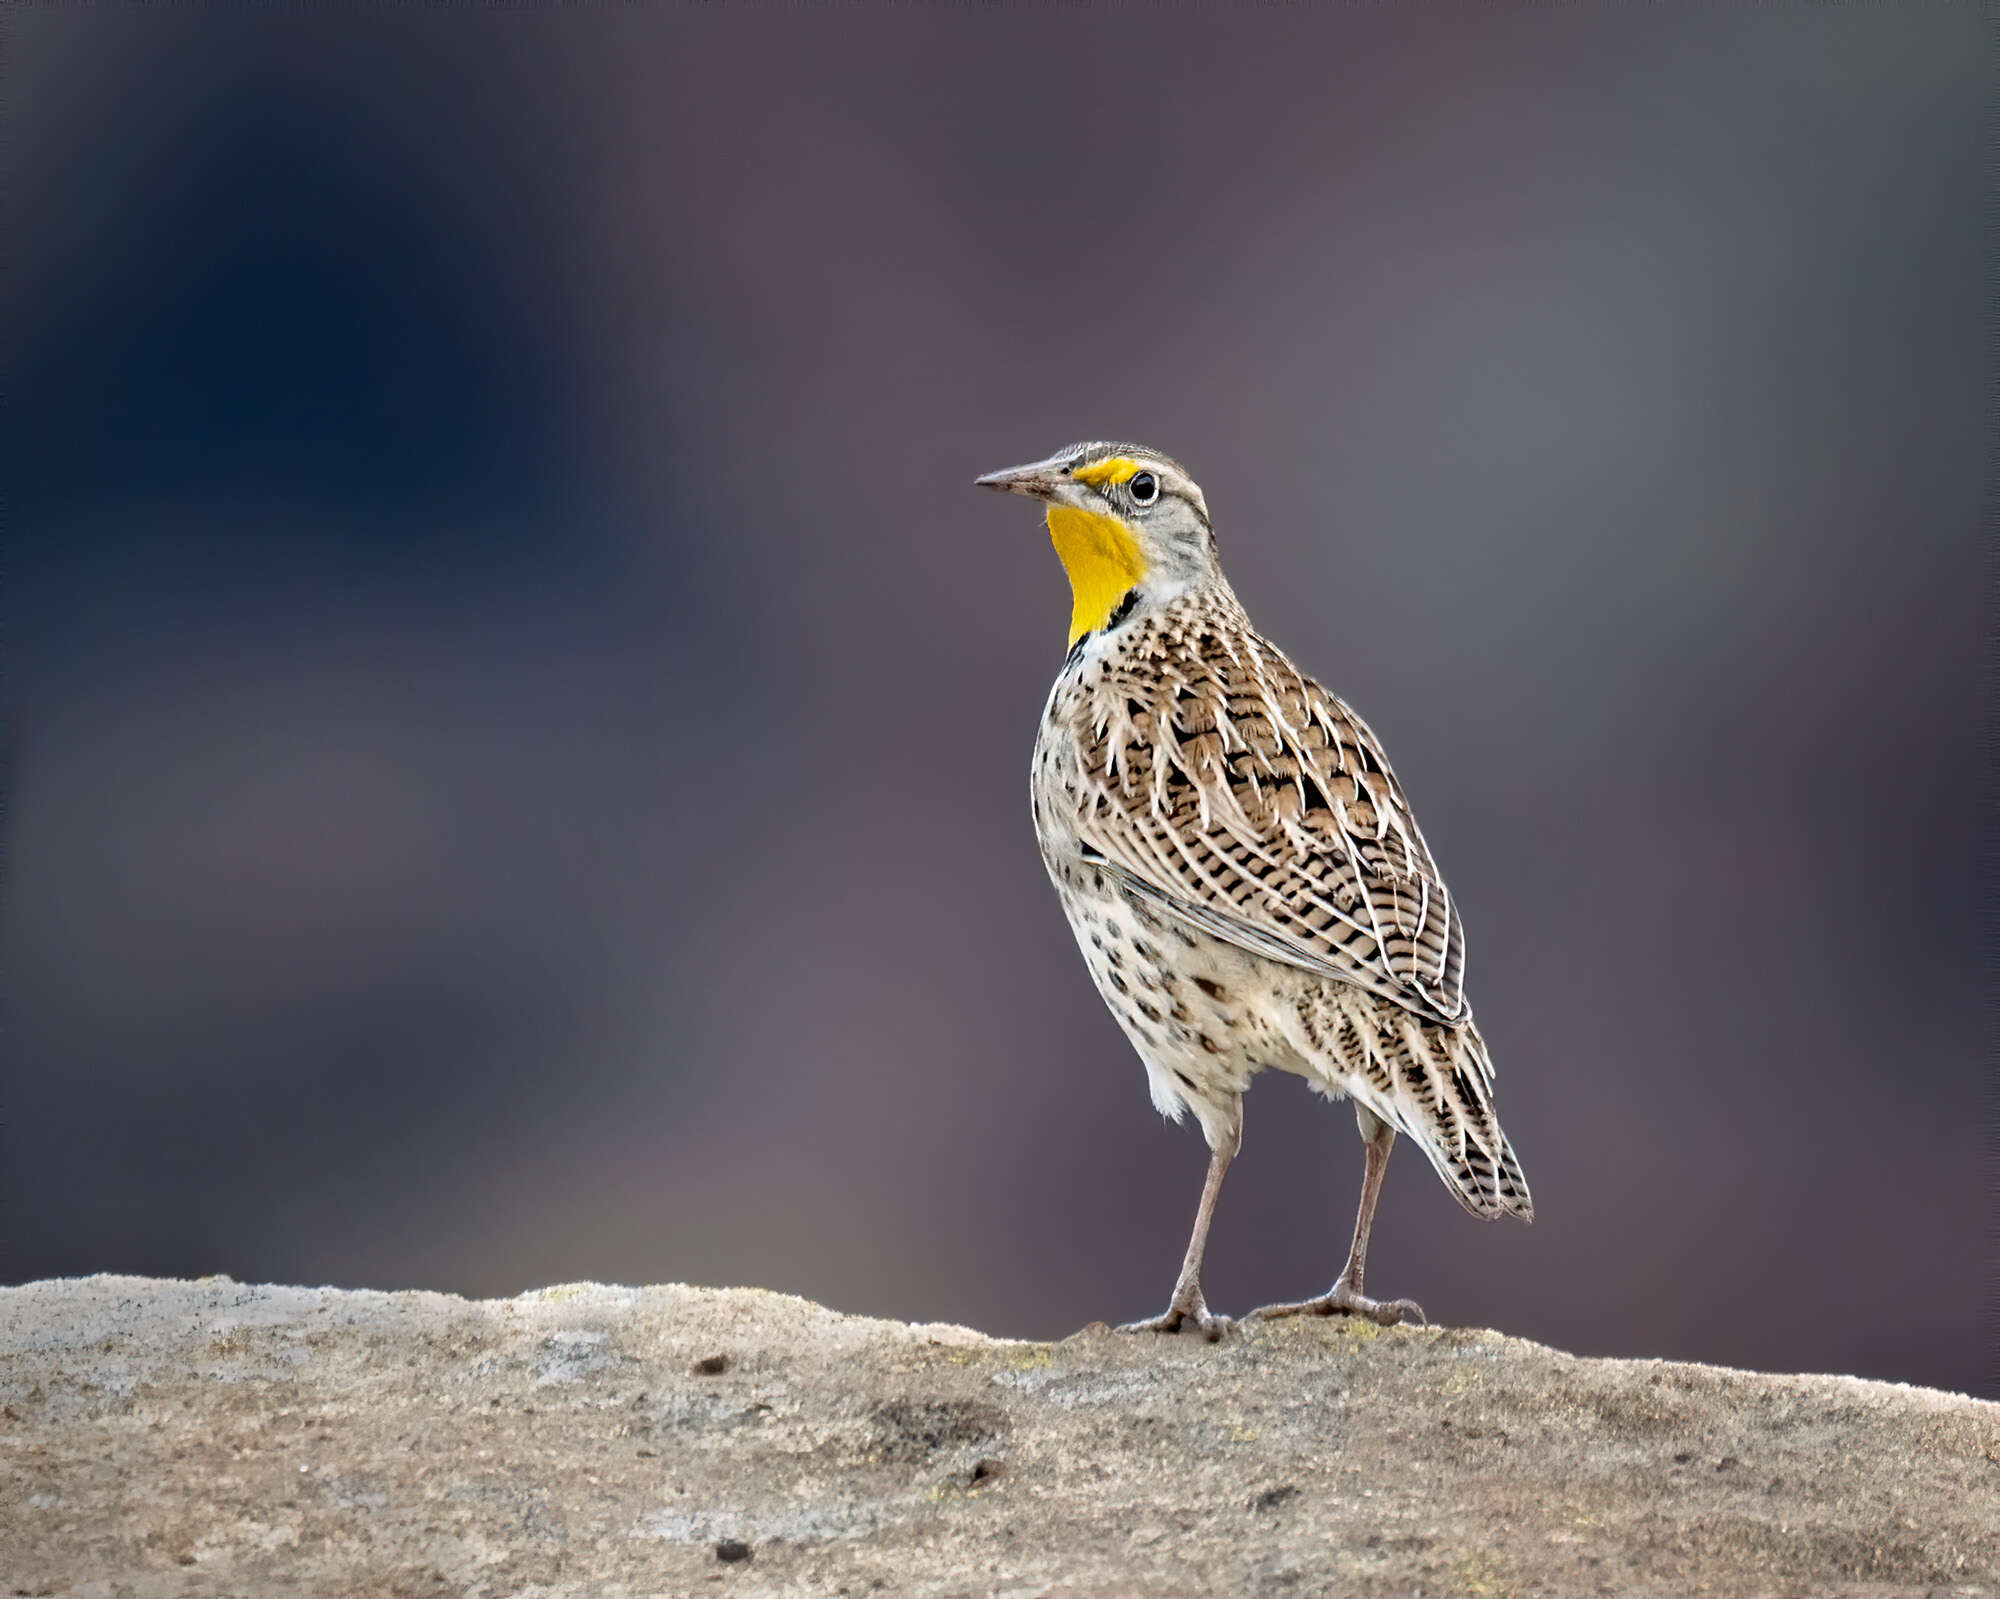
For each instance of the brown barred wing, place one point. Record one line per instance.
(1239, 795)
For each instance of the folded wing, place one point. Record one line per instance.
(1241, 797)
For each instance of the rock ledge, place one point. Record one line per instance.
(179, 1439)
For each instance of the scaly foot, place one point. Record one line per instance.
(1343, 1300)
(1186, 1308)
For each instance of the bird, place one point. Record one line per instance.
(1241, 868)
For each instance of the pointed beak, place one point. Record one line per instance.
(1038, 482)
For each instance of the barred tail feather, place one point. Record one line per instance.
(1432, 1082)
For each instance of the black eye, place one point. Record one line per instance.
(1145, 488)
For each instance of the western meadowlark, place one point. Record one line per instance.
(1243, 874)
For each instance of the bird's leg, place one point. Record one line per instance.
(1187, 1303)
(1345, 1296)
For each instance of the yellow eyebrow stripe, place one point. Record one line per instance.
(1112, 469)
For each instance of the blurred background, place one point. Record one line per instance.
(520, 722)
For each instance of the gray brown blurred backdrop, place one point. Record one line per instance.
(521, 722)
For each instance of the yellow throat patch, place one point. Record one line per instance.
(1102, 559)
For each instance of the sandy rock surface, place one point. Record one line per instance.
(206, 1438)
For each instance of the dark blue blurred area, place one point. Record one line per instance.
(520, 723)
(279, 314)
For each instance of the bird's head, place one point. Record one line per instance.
(1129, 523)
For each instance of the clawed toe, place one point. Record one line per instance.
(1344, 1301)
(1393, 1312)
(1177, 1317)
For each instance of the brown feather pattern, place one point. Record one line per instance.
(1188, 771)
(1233, 790)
